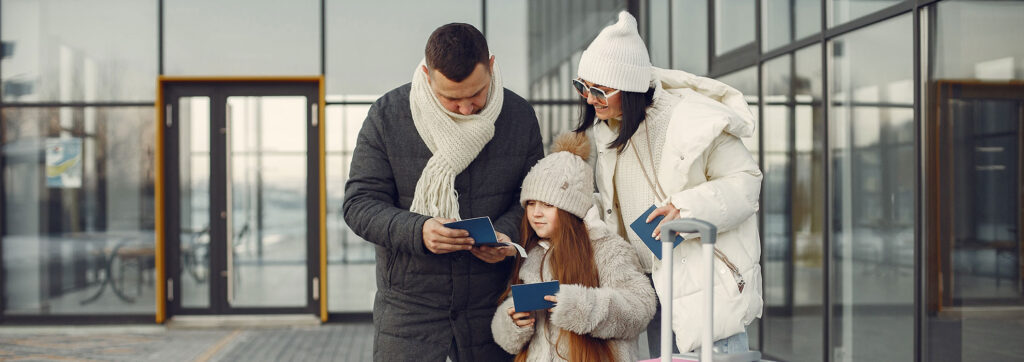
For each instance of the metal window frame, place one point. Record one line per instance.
(753, 55)
(3, 189)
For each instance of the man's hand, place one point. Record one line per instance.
(494, 254)
(670, 212)
(441, 240)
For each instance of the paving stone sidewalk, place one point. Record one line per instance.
(329, 342)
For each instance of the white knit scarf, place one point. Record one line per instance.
(454, 139)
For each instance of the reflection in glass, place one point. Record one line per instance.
(958, 54)
(776, 201)
(81, 180)
(349, 258)
(61, 51)
(734, 24)
(194, 170)
(690, 36)
(657, 32)
(507, 38)
(793, 205)
(213, 38)
(784, 21)
(558, 32)
(267, 223)
(874, 157)
(846, 10)
(977, 277)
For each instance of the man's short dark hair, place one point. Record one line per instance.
(455, 50)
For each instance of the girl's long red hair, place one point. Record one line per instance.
(572, 262)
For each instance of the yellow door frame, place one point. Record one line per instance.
(161, 272)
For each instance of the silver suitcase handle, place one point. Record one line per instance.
(708, 234)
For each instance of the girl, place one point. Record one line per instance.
(672, 139)
(604, 300)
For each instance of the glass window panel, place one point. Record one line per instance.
(349, 257)
(873, 160)
(793, 205)
(958, 52)
(808, 17)
(82, 181)
(398, 32)
(657, 32)
(240, 37)
(777, 21)
(734, 24)
(63, 51)
(563, 83)
(846, 10)
(776, 199)
(194, 202)
(267, 204)
(808, 211)
(555, 120)
(979, 267)
(507, 38)
(690, 36)
(277, 118)
(350, 260)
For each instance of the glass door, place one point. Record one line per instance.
(244, 197)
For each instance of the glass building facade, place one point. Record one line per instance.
(890, 133)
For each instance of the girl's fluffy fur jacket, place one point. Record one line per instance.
(617, 311)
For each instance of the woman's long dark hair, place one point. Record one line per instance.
(634, 110)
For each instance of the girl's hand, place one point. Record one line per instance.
(670, 212)
(551, 299)
(522, 319)
(494, 254)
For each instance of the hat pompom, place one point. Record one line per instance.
(572, 142)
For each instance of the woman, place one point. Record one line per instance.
(604, 301)
(671, 139)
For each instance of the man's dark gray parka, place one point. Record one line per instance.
(425, 301)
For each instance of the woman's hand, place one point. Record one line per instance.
(522, 319)
(670, 212)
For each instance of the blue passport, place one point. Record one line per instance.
(644, 231)
(480, 229)
(528, 297)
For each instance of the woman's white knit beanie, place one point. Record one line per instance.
(618, 58)
(563, 178)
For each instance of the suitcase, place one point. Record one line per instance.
(708, 234)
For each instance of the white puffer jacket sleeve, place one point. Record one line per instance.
(731, 192)
(507, 334)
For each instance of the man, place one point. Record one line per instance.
(451, 144)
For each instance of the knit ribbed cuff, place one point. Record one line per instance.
(544, 190)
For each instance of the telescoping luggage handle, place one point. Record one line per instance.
(708, 234)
